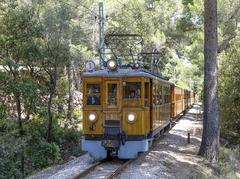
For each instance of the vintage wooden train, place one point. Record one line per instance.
(124, 109)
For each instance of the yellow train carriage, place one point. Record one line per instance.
(161, 105)
(177, 101)
(122, 111)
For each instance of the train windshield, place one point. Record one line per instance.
(132, 90)
(93, 94)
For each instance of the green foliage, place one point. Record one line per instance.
(228, 160)
(230, 88)
(10, 155)
(77, 115)
(62, 86)
(7, 125)
(186, 2)
(38, 152)
(41, 153)
(3, 111)
(69, 140)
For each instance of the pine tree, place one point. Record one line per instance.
(210, 138)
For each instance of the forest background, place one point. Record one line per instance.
(45, 43)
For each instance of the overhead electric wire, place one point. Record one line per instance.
(91, 12)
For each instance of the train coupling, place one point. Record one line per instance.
(110, 143)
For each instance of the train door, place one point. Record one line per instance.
(147, 105)
(112, 109)
(172, 101)
(154, 106)
(151, 104)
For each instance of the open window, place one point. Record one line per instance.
(93, 94)
(132, 90)
(166, 93)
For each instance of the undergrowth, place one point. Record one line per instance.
(229, 162)
(37, 152)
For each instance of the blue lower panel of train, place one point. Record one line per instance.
(128, 150)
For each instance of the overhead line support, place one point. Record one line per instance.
(101, 35)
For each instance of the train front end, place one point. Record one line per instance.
(116, 109)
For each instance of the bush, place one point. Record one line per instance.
(228, 160)
(3, 113)
(68, 139)
(37, 151)
(11, 150)
(229, 89)
(41, 154)
(65, 143)
(7, 125)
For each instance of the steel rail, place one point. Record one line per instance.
(88, 170)
(118, 170)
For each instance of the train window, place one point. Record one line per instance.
(146, 95)
(132, 90)
(178, 95)
(112, 94)
(154, 94)
(166, 95)
(93, 94)
(159, 95)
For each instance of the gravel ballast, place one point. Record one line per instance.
(66, 171)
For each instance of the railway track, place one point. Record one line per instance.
(107, 169)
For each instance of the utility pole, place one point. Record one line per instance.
(101, 35)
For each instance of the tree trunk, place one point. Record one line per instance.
(21, 132)
(18, 106)
(70, 89)
(53, 80)
(210, 138)
(77, 76)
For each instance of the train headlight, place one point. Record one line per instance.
(112, 64)
(131, 117)
(137, 65)
(92, 117)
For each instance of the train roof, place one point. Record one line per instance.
(128, 72)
